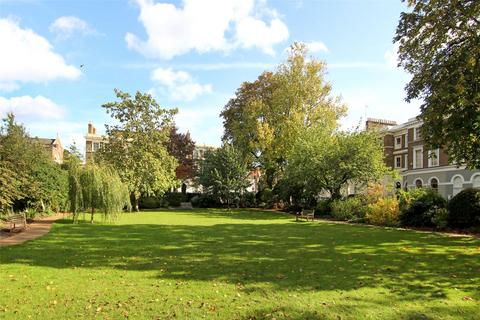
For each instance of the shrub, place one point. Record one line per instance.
(440, 217)
(203, 201)
(149, 203)
(384, 212)
(464, 209)
(323, 207)
(174, 199)
(347, 209)
(30, 213)
(419, 206)
(248, 200)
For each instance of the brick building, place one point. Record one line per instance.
(419, 166)
(53, 147)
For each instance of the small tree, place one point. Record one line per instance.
(75, 193)
(322, 161)
(103, 190)
(224, 175)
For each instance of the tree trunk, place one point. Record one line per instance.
(135, 202)
(91, 216)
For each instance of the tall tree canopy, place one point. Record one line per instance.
(264, 118)
(181, 146)
(224, 175)
(439, 44)
(321, 161)
(136, 147)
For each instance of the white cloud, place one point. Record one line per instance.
(204, 25)
(27, 57)
(179, 84)
(204, 124)
(66, 26)
(27, 107)
(316, 46)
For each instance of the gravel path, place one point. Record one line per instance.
(36, 229)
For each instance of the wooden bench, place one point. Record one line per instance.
(305, 214)
(16, 222)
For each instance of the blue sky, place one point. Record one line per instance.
(190, 54)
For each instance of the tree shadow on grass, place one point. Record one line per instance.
(289, 256)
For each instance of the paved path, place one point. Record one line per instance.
(35, 230)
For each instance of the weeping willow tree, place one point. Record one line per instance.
(103, 192)
(74, 187)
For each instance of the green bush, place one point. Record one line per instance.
(324, 207)
(30, 213)
(175, 198)
(348, 209)
(418, 207)
(249, 200)
(203, 201)
(148, 202)
(384, 212)
(440, 217)
(464, 209)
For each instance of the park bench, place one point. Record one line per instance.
(15, 222)
(305, 214)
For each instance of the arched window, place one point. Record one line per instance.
(476, 181)
(405, 186)
(457, 184)
(418, 183)
(398, 185)
(434, 184)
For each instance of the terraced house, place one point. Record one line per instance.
(418, 165)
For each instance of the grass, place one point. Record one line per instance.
(236, 264)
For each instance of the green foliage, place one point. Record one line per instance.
(10, 187)
(224, 175)
(103, 190)
(75, 192)
(439, 217)
(384, 212)
(419, 207)
(439, 46)
(28, 176)
(204, 201)
(464, 209)
(350, 208)
(324, 207)
(265, 117)
(136, 147)
(322, 161)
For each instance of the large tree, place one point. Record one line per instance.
(224, 175)
(321, 161)
(38, 181)
(264, 118)
(181, 146)
(136, 147)
(439, 45)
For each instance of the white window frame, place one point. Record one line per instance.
(405, 161)
(421, 183)
(398, 145)
(415, 165)
(456, 190)
(395, 164)
(474, 177)
(415, 136)
(437, 155)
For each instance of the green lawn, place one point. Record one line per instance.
(218, 264)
